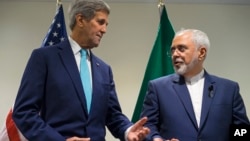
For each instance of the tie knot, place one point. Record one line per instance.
(83, 52)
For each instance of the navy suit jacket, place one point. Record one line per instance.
(170, 111)
(51, 106)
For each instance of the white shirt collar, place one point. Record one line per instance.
(75, 46)
(195, 78)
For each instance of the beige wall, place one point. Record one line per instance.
(126, 46)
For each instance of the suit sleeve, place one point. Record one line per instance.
(151, 110)
(239, 110)
(116, 121)
(29, 102)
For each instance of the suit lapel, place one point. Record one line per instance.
(69, 62)
(95, 81)
(208, 96)
(183, 94)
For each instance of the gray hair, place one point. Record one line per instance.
(199, 37)
(87, 8)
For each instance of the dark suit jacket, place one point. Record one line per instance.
(51, 85)
(169, 109)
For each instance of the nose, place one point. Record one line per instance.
(175, 52)
(104, 29)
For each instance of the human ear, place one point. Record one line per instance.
(202, 53)
(79, 20)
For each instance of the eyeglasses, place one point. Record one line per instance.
(179, 49)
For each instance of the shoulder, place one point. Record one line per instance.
(47, 50)
(98, 60)
(222, 80)
(165, 79)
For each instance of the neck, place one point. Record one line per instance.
(79, 41)
(192, 73)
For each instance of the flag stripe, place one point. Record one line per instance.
(160, 62)
(56, 34)
(11, 128)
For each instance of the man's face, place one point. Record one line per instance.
(184, 54)
(94, 29)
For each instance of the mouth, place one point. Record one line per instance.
(99, 36)
(178, 62)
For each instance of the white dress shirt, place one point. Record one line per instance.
(76, 50)
(195, 87)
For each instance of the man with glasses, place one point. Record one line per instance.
(192, 105)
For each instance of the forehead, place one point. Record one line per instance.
(101, 14)
(184, 38)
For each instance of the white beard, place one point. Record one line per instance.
(184, 68)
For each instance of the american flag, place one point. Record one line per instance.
(56, 33)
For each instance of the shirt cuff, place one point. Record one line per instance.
(126, 133)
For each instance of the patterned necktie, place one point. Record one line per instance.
(85, 77)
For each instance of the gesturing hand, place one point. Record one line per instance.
(138, 132)
(160, 139)
(77, 139)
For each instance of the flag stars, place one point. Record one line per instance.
(57, 31)
(55, 34)
(51, 43)
(58, 25)
(62, 39)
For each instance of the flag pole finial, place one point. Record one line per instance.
(58, 2)
(160, 6)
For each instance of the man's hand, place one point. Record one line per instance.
(173, 139)
(138, 132)
(160, 139)
(77, 139)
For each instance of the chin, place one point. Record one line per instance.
(180, 70)
(94, 45)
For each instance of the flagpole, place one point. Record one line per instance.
(160, 6)
(58, 2)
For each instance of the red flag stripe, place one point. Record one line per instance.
(11, 128)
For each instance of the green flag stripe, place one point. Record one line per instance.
(159, 63)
